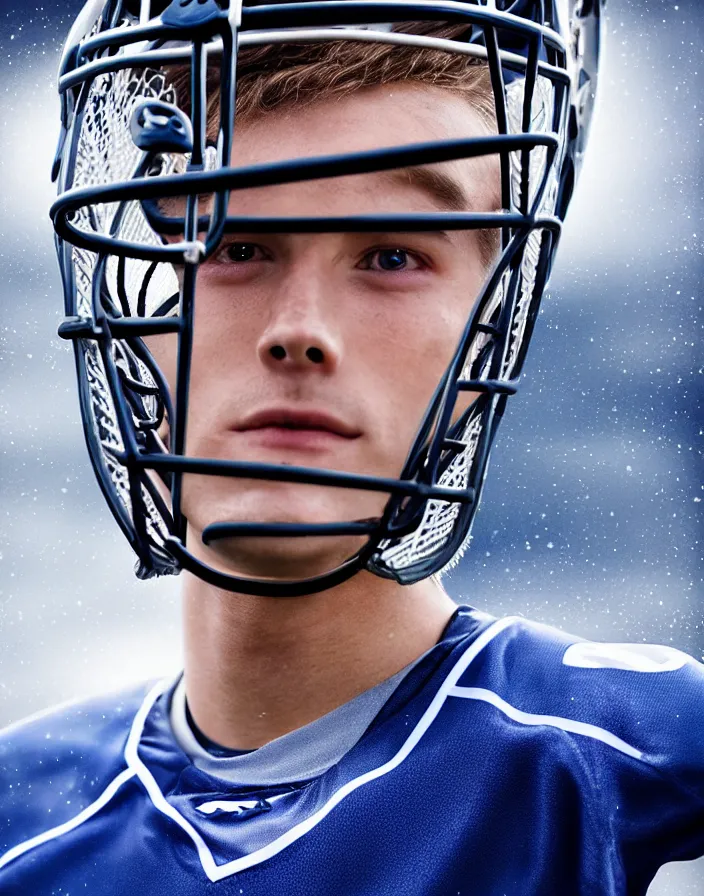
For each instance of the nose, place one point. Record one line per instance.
(300, 334)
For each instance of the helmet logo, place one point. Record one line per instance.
(160, 127)
(191, 13)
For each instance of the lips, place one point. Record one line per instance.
(297, 420)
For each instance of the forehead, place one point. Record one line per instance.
(382, 115)
(374, 118)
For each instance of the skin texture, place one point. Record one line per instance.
(316, 323)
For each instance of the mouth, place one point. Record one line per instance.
(296, 429)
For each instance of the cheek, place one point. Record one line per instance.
(218, 338)
(411, 349)
(227, 317)
(428, 335)
(420, 346)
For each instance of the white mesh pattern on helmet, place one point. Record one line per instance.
(107, 154)
(439, 517)
(102, 406)
(133, 367)
(541, 122)
(105, 420)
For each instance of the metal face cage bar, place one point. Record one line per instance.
(290, 171)
(108, 340)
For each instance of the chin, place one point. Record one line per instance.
(279, 559)
(207, 500)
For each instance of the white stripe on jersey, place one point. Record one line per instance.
(72, 823)
(530, 718)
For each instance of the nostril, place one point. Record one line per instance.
(278, 352)
(315, 355)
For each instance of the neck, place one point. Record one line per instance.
(259, 667)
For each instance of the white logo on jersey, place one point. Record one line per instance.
(631, 657)
(235, 806)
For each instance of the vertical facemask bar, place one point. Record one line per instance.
(123, 413)
(64, 253)
(529, 83)
(497, 83)
(548, 238)
(183, 375)
(112, 13)
(199, 111)
(190, 274)
(228, 83)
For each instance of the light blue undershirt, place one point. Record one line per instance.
(297, 756)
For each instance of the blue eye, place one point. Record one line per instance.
(391, 260)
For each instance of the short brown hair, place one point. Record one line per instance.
(274, 76)
(270, 76)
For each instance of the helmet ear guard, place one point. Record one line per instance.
(127, 144)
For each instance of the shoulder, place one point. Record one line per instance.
(56, 763)
(73, 732)
(646, 700)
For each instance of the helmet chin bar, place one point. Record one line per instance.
(125, 145)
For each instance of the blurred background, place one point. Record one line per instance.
(592, 514)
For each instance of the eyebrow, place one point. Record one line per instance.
(446, 192)
(449, 195)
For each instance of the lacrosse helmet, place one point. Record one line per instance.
(129, 141)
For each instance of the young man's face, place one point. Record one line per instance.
(352, 332)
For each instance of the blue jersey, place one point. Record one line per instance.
(513, 759)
